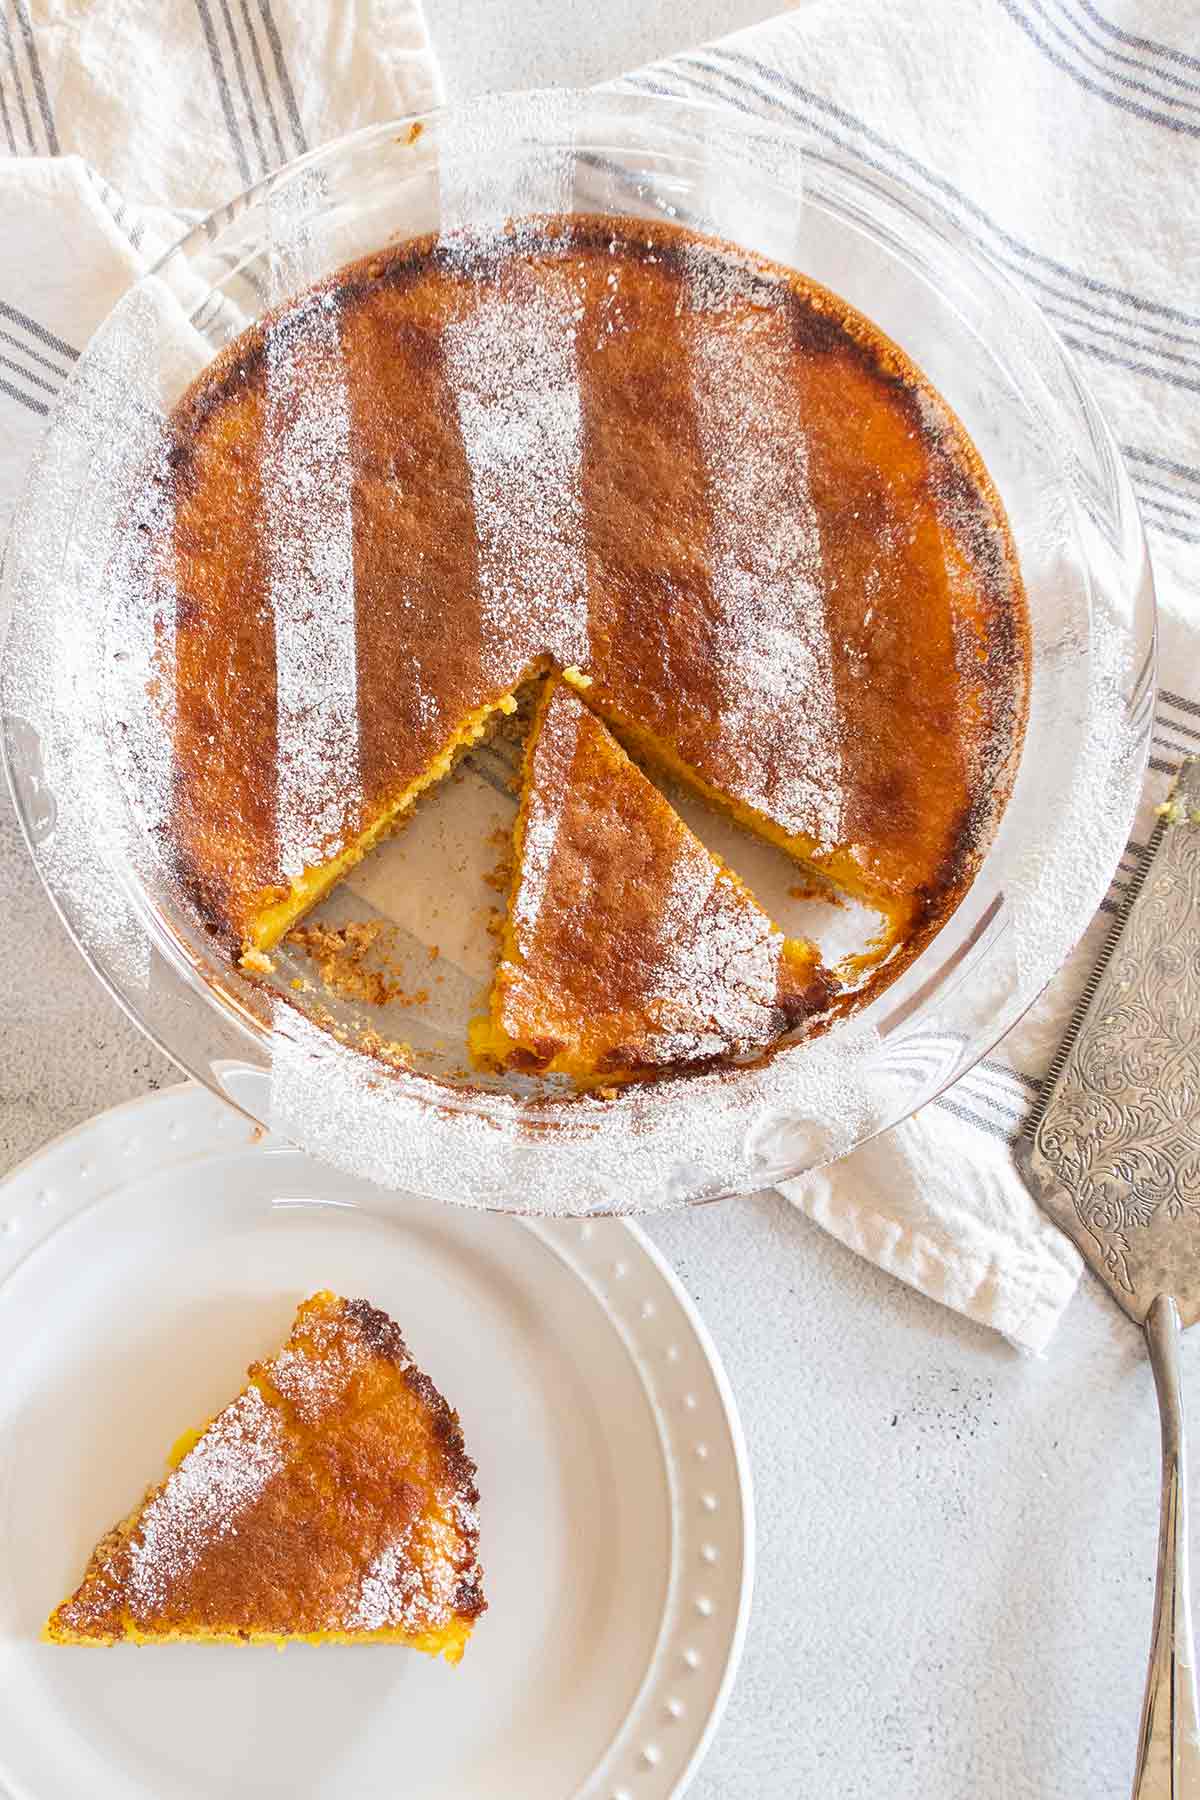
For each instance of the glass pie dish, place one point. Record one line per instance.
(513, 1142)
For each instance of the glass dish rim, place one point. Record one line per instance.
(737, 126)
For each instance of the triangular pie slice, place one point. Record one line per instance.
(333, 1501)
(628, 946)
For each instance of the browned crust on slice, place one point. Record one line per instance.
(333, 1500)
(629, 947)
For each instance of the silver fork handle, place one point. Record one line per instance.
(1168, 1762)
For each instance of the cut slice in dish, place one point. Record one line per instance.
(271, 912)
(628, 946)
(333, 1501)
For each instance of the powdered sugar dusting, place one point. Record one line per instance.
(306, 476)
(716, 976)
(408, 1588)
(140, 635)
(214, 1486)
(141, 629)
(160, 352)
(765, 555)
(314, 1377)
(495, 167)
(542, 815)
(513, 367)
(708, 977)
(83, 647)
(652, 1148)
(512, 364)
(387, 1592)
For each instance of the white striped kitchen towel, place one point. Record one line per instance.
(122, 122)
(1063, 139)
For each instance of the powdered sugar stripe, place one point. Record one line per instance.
(214, 1486)
(493, 169)
(513, 367)
(140, 637)
(556, 744)
(716, 972)
(765, 551)
(514, 372)
(388, 1591)
(306, 474)
(400, 1592)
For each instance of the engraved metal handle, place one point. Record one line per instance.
(1168, 1765)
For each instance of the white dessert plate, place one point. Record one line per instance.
(145, 1260)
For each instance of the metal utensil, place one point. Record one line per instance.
(1112, 1152)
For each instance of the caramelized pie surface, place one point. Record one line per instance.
(332, 1501)
(628, 946)
(596, 443)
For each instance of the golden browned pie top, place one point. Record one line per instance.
(597, 443)
(332, 1498)
(628, 945)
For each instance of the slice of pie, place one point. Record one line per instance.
(628, 947)
(333, 1501)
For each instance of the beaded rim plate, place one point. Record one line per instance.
(145, 1259)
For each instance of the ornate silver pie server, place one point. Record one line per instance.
(1112, 1151)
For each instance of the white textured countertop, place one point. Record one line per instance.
(955, 1545)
